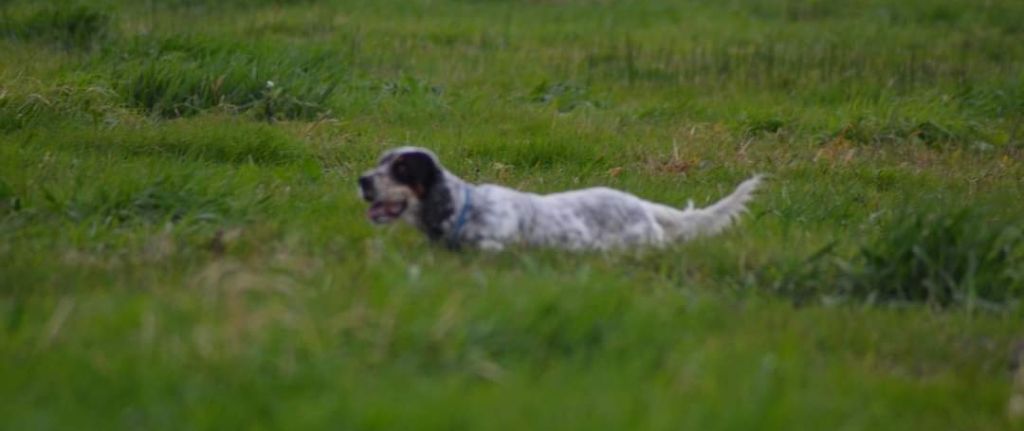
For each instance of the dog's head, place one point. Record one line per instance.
(399, 184)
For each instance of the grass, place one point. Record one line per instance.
(939, 257)
(180, 77)
(66, 25)
(181, 245)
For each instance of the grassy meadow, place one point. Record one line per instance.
(182, 246)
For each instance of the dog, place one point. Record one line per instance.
(410, 184)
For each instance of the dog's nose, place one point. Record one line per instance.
(366, 186)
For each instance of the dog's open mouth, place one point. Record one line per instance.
(383, 211)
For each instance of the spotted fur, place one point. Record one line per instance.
(409, 183)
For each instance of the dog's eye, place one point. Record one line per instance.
(400, 168)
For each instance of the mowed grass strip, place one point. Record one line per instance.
(181, 244)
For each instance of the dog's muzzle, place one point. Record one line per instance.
(380, 211)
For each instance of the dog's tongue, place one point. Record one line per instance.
(377, 210)
(381, 210)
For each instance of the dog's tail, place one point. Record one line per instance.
(689, 223)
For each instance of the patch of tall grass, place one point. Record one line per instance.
(75, 26)
(22, 105)
(942, 258)
(179, 77)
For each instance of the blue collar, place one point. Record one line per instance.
(460, 220)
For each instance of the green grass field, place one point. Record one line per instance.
(182, 246)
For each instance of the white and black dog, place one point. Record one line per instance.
(409, 183)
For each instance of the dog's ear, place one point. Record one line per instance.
(417, 170)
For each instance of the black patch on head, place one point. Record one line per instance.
(421, 173)
(436, 207)
(416, 170)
